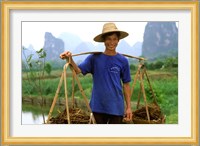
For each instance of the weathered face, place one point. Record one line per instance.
(111, 42)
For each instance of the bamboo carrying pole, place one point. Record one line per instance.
(73, 99)
(66, 93)
(64, 77)
(55, 98)
(138, 75)
(135, 78)
(154, 97)
(141, 71)
(144, 95)
(82, 91)
(138, 102)
(85, 53)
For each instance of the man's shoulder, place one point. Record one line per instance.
(122, 56)
(95, 54)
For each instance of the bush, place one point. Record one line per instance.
(47, 68)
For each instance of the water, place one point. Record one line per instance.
(32, 114)
(31, 118)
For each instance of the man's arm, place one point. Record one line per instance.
(127, 94)
(68, 55)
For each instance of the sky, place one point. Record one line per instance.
(33, 32)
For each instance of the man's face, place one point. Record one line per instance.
(111, 42)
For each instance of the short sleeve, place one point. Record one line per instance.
(125, 75)
(87, 65)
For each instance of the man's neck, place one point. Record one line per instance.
(110, 53)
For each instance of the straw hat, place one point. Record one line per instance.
(107, 28)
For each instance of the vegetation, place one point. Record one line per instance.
(163, 77)
(33, 78)
(47, 68)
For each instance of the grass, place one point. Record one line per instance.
(165, 88)
(163, 82)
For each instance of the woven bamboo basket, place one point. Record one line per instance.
(143, 121)
(140, 115)
(77, 116)
(155, 114)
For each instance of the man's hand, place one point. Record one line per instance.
(128, 116)
(66, 54)
(127, 93)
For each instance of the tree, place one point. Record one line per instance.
(158, 64)
(35, 78)
(48, 68)
(171, 62)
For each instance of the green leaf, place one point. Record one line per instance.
(40, 50)
(30, 64)
(43, 55)
(29, 58)
(38, 62)
(48, 68)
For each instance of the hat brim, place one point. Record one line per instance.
(99, 37)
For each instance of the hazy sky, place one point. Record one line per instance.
(33, 32)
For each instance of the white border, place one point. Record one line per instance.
(182, 129)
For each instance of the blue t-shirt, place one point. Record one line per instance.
(108, 73)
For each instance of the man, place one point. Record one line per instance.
(111, 77)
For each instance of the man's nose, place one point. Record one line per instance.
(112, 42)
